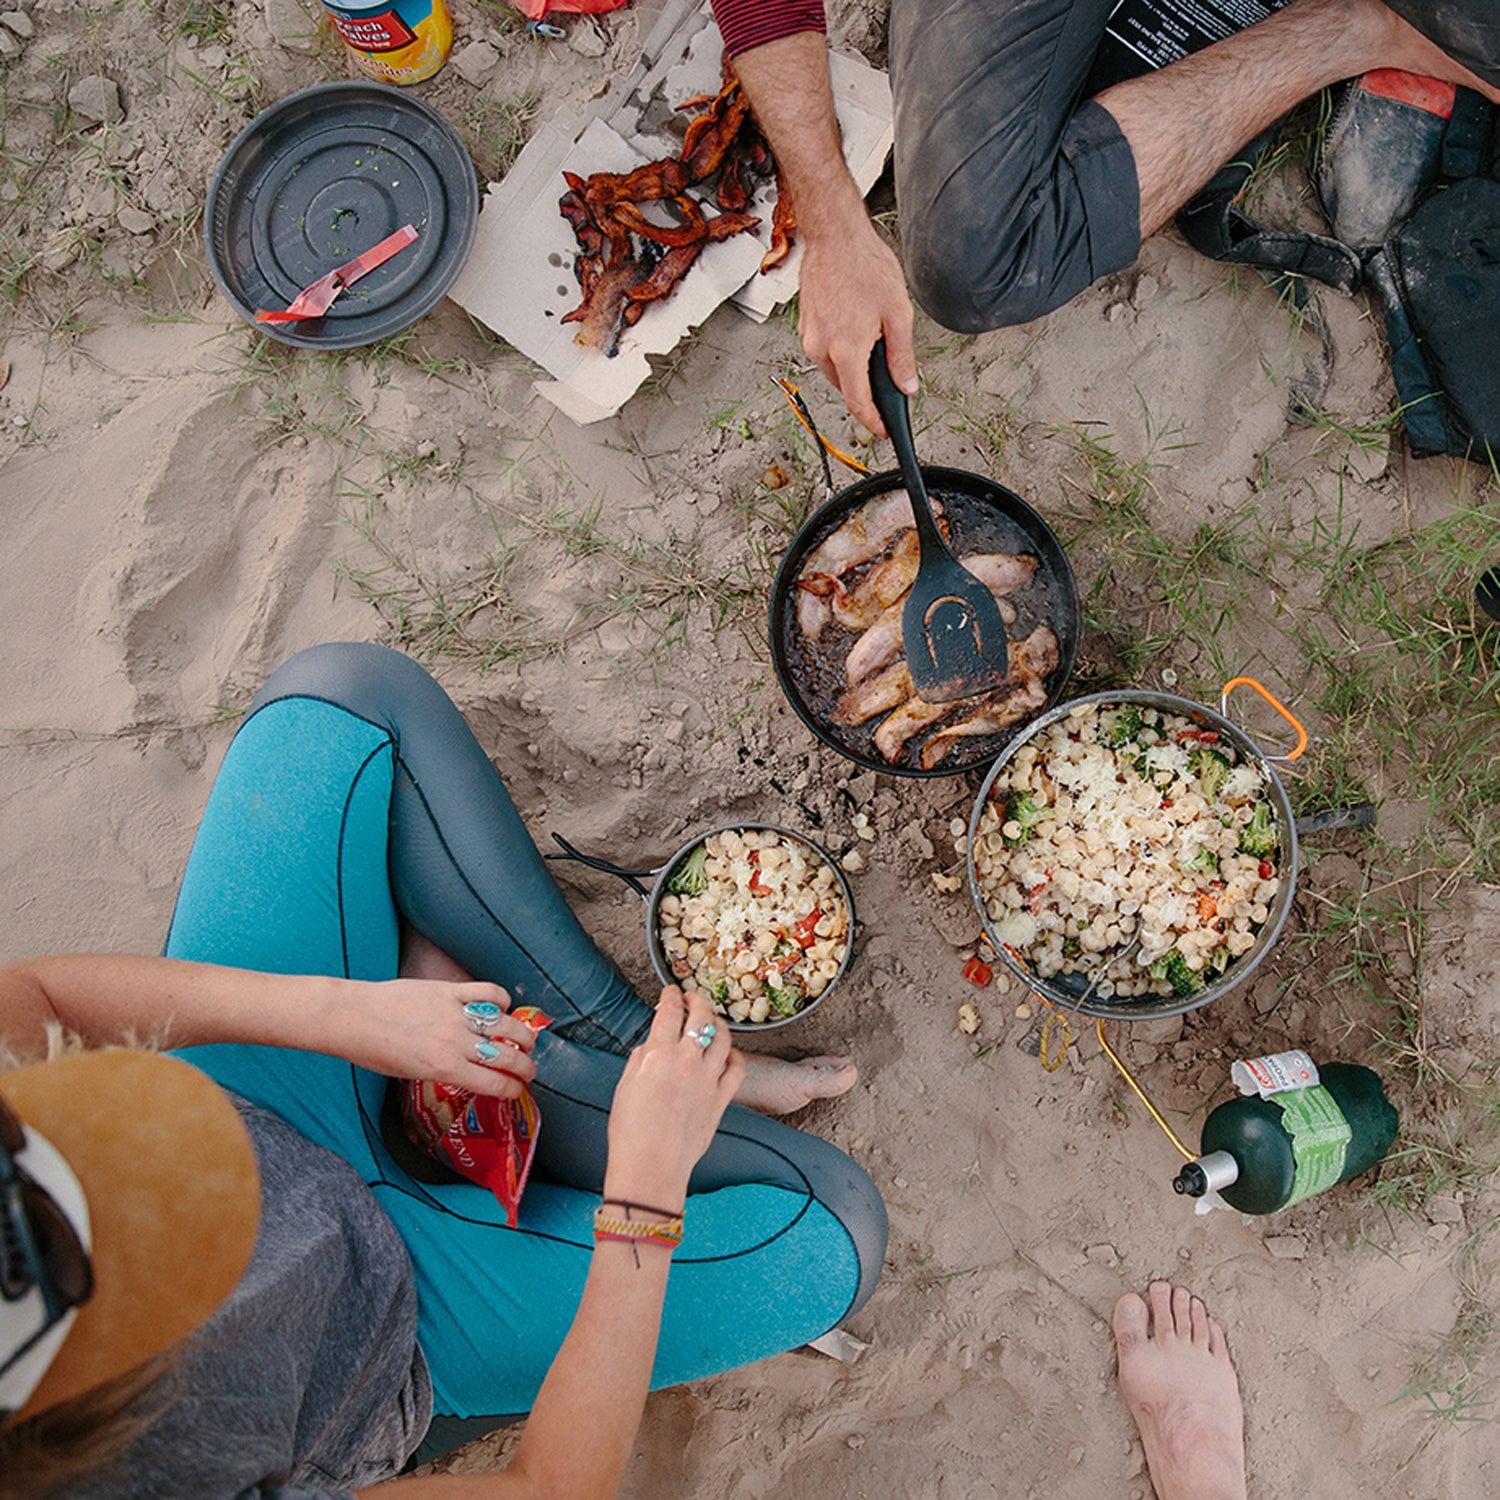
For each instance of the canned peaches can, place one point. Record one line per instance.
(396, 41)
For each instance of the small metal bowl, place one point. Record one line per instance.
(662, 874)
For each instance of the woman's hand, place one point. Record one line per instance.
(417, 1028)
(669, 1102)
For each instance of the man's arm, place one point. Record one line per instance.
(1184, 122)
(853, 290)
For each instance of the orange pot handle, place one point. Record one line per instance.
(1275, 703)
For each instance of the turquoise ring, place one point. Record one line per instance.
(483, 1016)
(704, 1038)
(487, 1051)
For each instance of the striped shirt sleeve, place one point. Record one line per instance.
(752, 23)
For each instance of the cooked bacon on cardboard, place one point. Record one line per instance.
(616, 278)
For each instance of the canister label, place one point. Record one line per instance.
(1320, 1140)
(1275, 1074)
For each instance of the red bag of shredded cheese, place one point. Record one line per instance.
(490, 1141)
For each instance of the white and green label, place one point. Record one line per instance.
(1320, 1140)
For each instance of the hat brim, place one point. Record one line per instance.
(174, 1201)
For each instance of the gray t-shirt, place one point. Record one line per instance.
(307, 1381)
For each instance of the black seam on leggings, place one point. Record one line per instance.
(402, 765)
(458, 870)
(343, 829)
(557, 1239)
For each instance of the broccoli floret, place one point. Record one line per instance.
(786, 999)
(1210, 767)
(1172, 967)
(1118, 726)
(1258, 836)
(718, 992)
(1204, 862)
(1218, 960)
(691, 876)
(1021, 808)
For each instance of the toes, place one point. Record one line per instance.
(1160, 1293)
(828, 1077)
(1199, 1320)
(1130, 1322)
(1219, 1342)
(1182, 1312)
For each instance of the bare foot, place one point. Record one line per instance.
(421, 958)
(1408, 48)
(774, 1086)
(1181, 1389)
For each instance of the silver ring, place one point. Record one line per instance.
(486, 1051)
(705, 1037)
(483, 1016)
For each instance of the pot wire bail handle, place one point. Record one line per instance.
(603, 865)
(1275, 703)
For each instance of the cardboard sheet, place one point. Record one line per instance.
(519, 280)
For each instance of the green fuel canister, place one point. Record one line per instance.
(1296, 1130)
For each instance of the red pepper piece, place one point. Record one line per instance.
(976, 971)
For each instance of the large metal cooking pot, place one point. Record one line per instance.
(983, 517)
(1068, 992)
(662, 875)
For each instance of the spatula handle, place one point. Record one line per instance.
(890, 402)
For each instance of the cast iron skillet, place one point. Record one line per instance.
(983, 517)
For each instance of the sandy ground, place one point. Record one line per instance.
(184, 507)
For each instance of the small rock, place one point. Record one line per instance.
(957, 925)
(214, 57)
(862, 787)
(916, 840)
(586, 40)
(475, 63)
(9, 46)
(1439, 1232)
(1373, 1373)
(1075, 1456)
(1103, 1255)
(1287, 1247)
(96, 100)
(100, 201)
(1115, 311)
(62, 250)
(1445, 1211)
(115, 263)
(293, 24)
(900, 1182)
(1146, 288)
(671, 731)
(134, 220)
(19, 22)
(854, 1440)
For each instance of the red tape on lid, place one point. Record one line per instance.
(315, 300)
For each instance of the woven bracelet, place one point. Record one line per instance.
(635, 1231)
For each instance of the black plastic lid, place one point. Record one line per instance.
(319, 178)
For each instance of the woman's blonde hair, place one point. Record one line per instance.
(48, 1454)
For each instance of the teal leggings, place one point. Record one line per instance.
(354, 795)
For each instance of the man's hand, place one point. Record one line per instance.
(853, 292)
(853, 289)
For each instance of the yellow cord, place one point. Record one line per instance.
(1151, 1109)
(793, 396)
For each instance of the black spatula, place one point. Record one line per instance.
(951, 628)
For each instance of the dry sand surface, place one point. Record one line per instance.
(186, 504)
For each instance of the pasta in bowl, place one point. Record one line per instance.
(756, 918)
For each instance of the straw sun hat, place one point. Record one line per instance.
(158, 1154)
